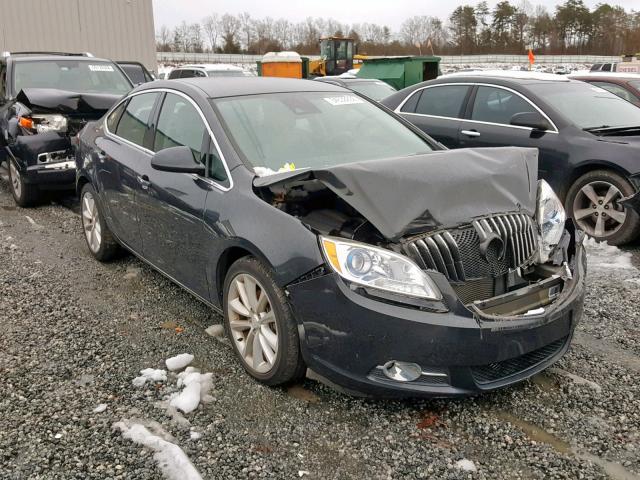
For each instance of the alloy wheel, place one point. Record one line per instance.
(597, 211)
(253, 323)
(91, 222)
(16, 182)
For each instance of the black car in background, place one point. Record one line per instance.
(332, 234)
(372, 88)
(136, 71)
(588, 138)
(45, 100)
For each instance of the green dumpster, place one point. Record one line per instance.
(401, 72)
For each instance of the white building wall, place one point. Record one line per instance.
(115, 29)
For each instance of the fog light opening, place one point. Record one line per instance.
(402, 371)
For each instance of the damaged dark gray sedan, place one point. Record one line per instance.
(45, 99)
(333, 235)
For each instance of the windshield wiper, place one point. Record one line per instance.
(604, 129)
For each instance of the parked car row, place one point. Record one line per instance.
(339, 234)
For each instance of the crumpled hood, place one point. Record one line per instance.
(403, 196)
(50, 100)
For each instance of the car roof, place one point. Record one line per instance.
(211, 66)
(608, 75)
(348, 79)
(514, 76)
(218, 87)
(18, 57)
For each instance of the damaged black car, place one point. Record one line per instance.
(334, 236)
(45, 100)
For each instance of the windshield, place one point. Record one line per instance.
(79, 76)
(374, 90)
(314, 129)
(588, 106)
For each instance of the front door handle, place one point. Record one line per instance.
(470, 133)
(144, 182)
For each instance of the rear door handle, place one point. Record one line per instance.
(144, 182)
(470, 133)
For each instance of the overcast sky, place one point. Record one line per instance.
(391, 13)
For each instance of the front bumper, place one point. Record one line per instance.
(58, 175)
(45, 159)
(346, 337)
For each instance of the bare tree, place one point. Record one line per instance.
(247, 27)
(230, 27)
(163, 39)
(211, 26)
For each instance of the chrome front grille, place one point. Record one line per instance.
(471, 253)
(516, 230)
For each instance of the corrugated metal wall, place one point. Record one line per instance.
(116, 29)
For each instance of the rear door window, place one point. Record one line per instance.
(496, 105)
(443, 101)
(134, 123)
(174, 74)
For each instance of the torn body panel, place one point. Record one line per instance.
(411, 195)
(50, 100)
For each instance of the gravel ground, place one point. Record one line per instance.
(74, 334)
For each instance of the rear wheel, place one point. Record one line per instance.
(25, 194)
(592, 201)
(260, 324)
(100, 241)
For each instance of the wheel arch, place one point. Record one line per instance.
(589, 166)
(228, 257)
(81, 181)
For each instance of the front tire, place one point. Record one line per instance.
(260, 324)
(99, 238)
(24, 194)
(592, 201)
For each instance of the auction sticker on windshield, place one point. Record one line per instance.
(343, 100)
(101, 68)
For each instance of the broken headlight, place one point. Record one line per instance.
(378, 268)
(44, 123)
(551, 217)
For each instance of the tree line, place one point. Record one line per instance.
(571, 28)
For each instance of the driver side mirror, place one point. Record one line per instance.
(177, 160)
(530, 119)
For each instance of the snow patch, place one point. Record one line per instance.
(216, 330)
(602, 255)
(150, 374)
(173, 462)
(195, 387)
(179, 361)
(100, 408)
(195, 435)
(466, 465)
